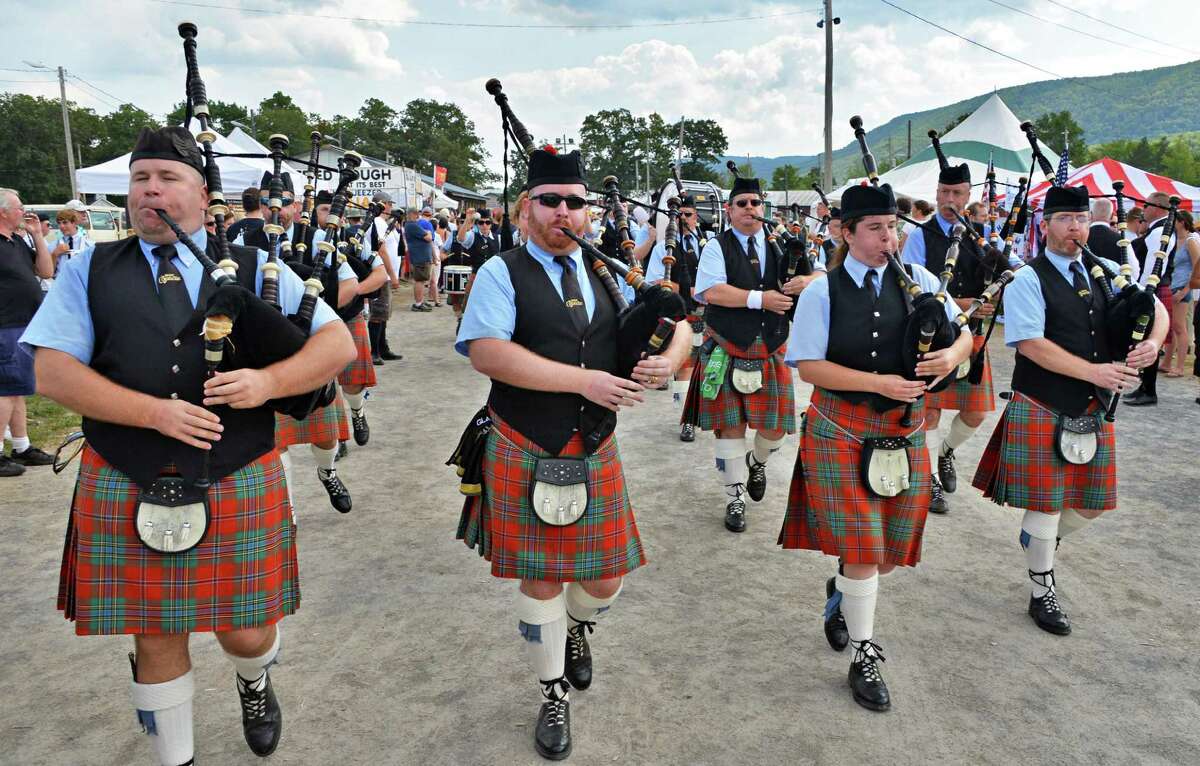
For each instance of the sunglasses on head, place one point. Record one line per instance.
(552, 200)
(752, 202)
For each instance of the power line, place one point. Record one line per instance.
(118, 99)
(1123, 29)
(973, 42)
(1073, 29)
(51, 80)
(476, 25)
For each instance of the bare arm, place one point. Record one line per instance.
(347, 289)
(43, 264)
(389, 273)
(379, 275)
(1194, 251)
(735, 297)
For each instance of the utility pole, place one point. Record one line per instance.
(827, 23)
(62, 95)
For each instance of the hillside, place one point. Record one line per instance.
(1151, 102)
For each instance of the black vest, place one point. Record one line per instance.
(1075, 324)
(741, 326)
(865, 337)
(481, 249)
(687, 263)
(968, 281)
(258, 239)
(543, 326)
(133, 349)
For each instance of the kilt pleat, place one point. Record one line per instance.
(1021, 468)
(829, 509)
(964, 397)
(322, 425)
(360, 372)
(771, 408)
(243, 574)
(501, 524)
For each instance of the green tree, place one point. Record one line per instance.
(222, 113)
(611, 143)
(786, 177)
(1051, 127)
(954, 123)
(33, 158)
(279, 114)
(434, 132)
(119, 132)
(744, 169)
(704, 142)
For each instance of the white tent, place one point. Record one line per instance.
(248, 144)
(237, 173)
(992, 131)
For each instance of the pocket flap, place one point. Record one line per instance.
(561, 472)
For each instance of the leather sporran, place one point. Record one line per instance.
(172, 516)
(747, 375)
(884, 465)
(1077, 439)
(559, 493)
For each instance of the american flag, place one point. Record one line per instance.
(1060, 176)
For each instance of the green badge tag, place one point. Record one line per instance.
(714, 373)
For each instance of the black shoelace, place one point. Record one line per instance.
(332, 482)
(866, 653)
(555, 689)
(1046, 580)
(577, 638)
(254, 701)
(758, 471)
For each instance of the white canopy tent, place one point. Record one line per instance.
(249, 144)
(237, 173)
(992, 131)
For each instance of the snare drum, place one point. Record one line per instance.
(456, 279)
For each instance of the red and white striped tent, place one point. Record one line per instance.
(1098, 177)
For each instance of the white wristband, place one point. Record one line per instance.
(754, 299)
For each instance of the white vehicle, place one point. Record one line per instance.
(710, 205)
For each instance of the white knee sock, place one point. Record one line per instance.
(583, 606)
(959, 433)
(731, 464)
(1071, 521)
(254, 668)
(858, 605)
(763, 447)
(325, 457)
(543, 625)
(356, 401)
(286, 459)
(679, 389)
(1039, 536)
(165, 711)
(20, 443)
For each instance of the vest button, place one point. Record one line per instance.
(876, 313)
(874, 334)
(874, 353)
(175, 343)
(175, 369)
(174, 395)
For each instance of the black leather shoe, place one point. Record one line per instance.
(756, 485)
(735, 514)
(1140, 399)
(262, 720)
(946, 472)
(552, 737)
(1048, 615)
(579, 655)
(339, 496)
(342, 452)
(866, 682)
(835, 624)
(937, 500)
(377, 361)
(687, 433)
(362, 431)
(9, 468)
(31, 456)
(388, 356)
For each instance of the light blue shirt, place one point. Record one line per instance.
(492, 310)
(1024, 304)
(914, 246)
(655, 271)
(712, 261)
(641, 234)
(809, 338)
(64, 321)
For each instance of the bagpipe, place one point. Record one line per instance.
(1129, 317)
(310, 192)
(643, 328)
(790, 265)
(927, 328)
(988, 253)
(1042, 161)
(256, 332)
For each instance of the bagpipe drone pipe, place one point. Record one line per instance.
(242, 330)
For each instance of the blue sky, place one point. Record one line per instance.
(762, 80)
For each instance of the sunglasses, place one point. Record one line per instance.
(752, 202)
(267, 200)
(551, 200)
(688, 215)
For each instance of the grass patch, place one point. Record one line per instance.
(49, 422)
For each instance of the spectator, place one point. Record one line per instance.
(252, 218)
(71, 241)
(1186, 262)
(1102, 240)
(921, 210)
(376, 251)
(20, 296)
(210, 223)
(443, 238)
(430, 225)
(419, 242)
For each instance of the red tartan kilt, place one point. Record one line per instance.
(829, 508)
(360, 372)
(771, 408)
(322, 426)
(603, 544)
(964, 397)
(243, 574)
(1021, 468)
